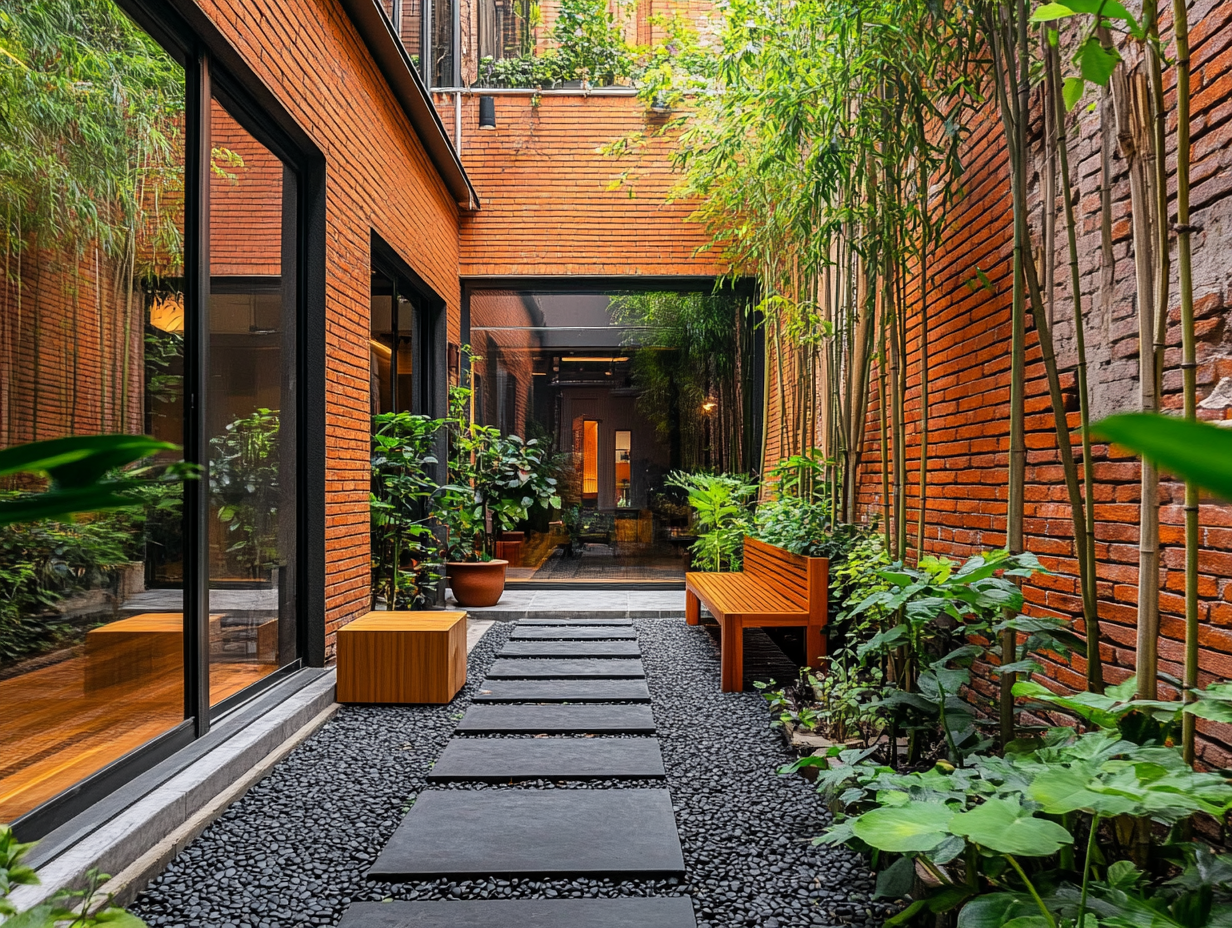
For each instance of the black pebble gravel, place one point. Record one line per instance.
(294, 850)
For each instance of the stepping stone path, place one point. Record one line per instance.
(535, 832)
(667, 912)
(571, 633)
(571, 649)
(512, 668)
(558, 720)
(497, 760)
(535, 623)
(563, 691)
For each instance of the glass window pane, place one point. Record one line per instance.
(91, 342)
(249, 411)
(623, 444)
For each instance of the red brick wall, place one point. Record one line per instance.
(969, 386)
(546, 207)
(245, 203)
(63, 342)
(380, 179)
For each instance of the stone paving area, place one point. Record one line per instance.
(637, 604)
(296, 849)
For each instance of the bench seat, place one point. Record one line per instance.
(776, 589)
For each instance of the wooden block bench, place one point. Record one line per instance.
(139, 649)
(777, 588)
(402, 657)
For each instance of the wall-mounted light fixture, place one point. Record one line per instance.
(487, 112)
(709, 406)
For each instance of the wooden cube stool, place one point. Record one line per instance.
(402, 657)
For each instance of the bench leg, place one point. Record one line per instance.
(815, 639)
(692, 607)
(731, 647)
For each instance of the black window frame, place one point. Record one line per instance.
(213, 69)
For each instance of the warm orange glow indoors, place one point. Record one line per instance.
(590, 458)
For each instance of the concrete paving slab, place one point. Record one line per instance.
(612, 833)
(557, 720)
(662, 912)
(571, 633)
(564, 620)
(563, 691)
(514, 668)
(499, 760)
(570, 649)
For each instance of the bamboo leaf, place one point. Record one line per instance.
(1194, 451)
(1073, 90)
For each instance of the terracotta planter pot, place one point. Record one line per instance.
(478, 583)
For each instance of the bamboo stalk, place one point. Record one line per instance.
(1189, 364)
(1079, 321)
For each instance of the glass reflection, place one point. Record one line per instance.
(91, 342)
(251, 441)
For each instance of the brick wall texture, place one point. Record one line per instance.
(380, 179)
(547, 207)
(969, 332)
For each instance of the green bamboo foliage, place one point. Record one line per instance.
(827, 164)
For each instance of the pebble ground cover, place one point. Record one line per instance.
(293, 851)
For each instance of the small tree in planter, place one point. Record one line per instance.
(495, 481)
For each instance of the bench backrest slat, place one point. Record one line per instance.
(803, 580)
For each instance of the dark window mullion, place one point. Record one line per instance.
(196, 367)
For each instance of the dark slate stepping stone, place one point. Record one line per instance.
(501, 759)
(558, 720)
(662, 912)
(567, 622)
(523, 669)
(570, 649)
(562, 691)
(600, 833)
(572, 632)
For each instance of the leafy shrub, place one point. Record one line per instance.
(42, 563)
(1000, 836)
(722, 503)
(245, 490)
(405, 555)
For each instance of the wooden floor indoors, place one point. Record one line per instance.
(53, 733)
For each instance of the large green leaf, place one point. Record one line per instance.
(995, 909)
(1006, 827)
(1060, 790)
(1194, 451)
(79, 460)
(916, 826)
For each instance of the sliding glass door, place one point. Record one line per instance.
(151, 234)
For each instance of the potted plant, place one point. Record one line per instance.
(495, 481)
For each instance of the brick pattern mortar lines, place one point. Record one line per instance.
(969, 332)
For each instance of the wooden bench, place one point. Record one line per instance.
(140, 649)
(777, 588)
(402, 657)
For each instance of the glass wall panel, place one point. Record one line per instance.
(250, 411)
(91, 342)
(443, 50)
(392, 355)
(616, 384)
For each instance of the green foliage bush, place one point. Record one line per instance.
(406, 558)
(42, 563)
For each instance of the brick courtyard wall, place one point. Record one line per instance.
(380, 179)
(547, 207)
(969, 332)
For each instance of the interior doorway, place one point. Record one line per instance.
(602, 377)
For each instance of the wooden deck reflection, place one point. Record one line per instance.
(54, 733)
